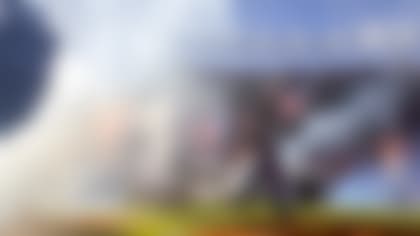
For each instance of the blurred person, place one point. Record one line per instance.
(388, 179)
(267, 115)
(206, 171)
(328, 138)
(388, 176)
(203, 175)
(391, 177)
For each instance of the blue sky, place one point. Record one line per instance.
(299, 30)
(319, 15)
(327, 31)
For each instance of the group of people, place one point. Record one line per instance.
(352, 143)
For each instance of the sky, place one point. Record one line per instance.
(320, 15)
(303, 32)
(243, 33)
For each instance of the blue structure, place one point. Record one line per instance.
(25, 47)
